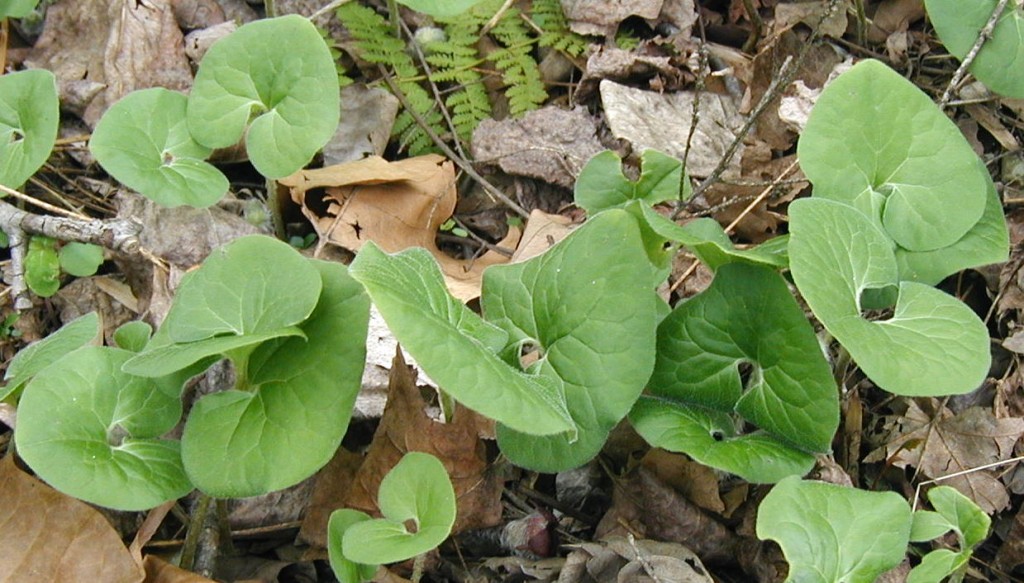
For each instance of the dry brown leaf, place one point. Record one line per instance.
(619, 558)
(1011, 554)
(551, 144)
(893, 16)
(48, 536)
(943, 443)
(695, 481)
(160, 571)
(406, 427)
(100, 51)
(333, 483)
(602, 17)
(656, 511)
(542, 231)
(396, 205)
(790, 14)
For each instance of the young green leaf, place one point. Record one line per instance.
(144, 142)
(455, 346)
(39, 355)
(29, 115)
(300, 398)
(17, 8)
(133, 336)
(710, 438)
(284, 100)
(876, 142)
(345, 570)
(440, 8)
(706, 238)
(80, 259)
(953, 511)
(602, 185)
(588, 307)
(93, 431)
(831, 533)
(417, 489)
(42, 266)
(162, 357)
(997, 64)
(747, 317)
(255, 284)
(932, 344)
(987, 242)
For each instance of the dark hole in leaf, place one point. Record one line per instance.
(168, 158)
(529, 353)
(116, 435)
(746, 372)
(357, 229)
(717, 435)
(411, 526)
(694, 565)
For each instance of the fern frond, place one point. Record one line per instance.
(548, 15)
(455, 61)
(524, 87)
(375, 43)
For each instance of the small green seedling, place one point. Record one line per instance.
(833, 534)
(143, 141)
(29, 115)
(417, 491)
(953, 512)
(90, 423)
(44, 263)
(997, 64)
(286, 103)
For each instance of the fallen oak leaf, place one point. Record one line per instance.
(397, 205)
(944, 443)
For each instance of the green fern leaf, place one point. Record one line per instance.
(548, 15)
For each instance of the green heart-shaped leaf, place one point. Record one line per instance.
(710, 438)
(876, 142)
(29, 115)
(455, 346)
(93, 431)
(133, 336)
(301, 391)
(932, 344)
(602, 185)
(987, 242)
(345, 570)
(255, 284)
(832, 533)
(417, 489)
(747, 317)
(143, 140)
(998, 63)
(39, 355)
(285, 102)
(588, 308)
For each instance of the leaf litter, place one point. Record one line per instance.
(100, 51)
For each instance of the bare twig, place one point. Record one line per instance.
(497, 16)
(117, 234)
(787, 72)
(459, 161)
(325, 9)
(16, 273)
(983, 35)
(756, 24)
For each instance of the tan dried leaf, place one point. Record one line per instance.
(943, 443)
(48, 536)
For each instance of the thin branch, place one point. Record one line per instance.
(117, 234)
(787, 72)
(459, 161)
(497, 17)
(983, 35)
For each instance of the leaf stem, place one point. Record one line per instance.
(195, 527)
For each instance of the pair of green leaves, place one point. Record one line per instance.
(417, 489)
(44, 263)
(833, 534)
(284, 102)
(900, 201)
(586, 306)
(297, 343)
